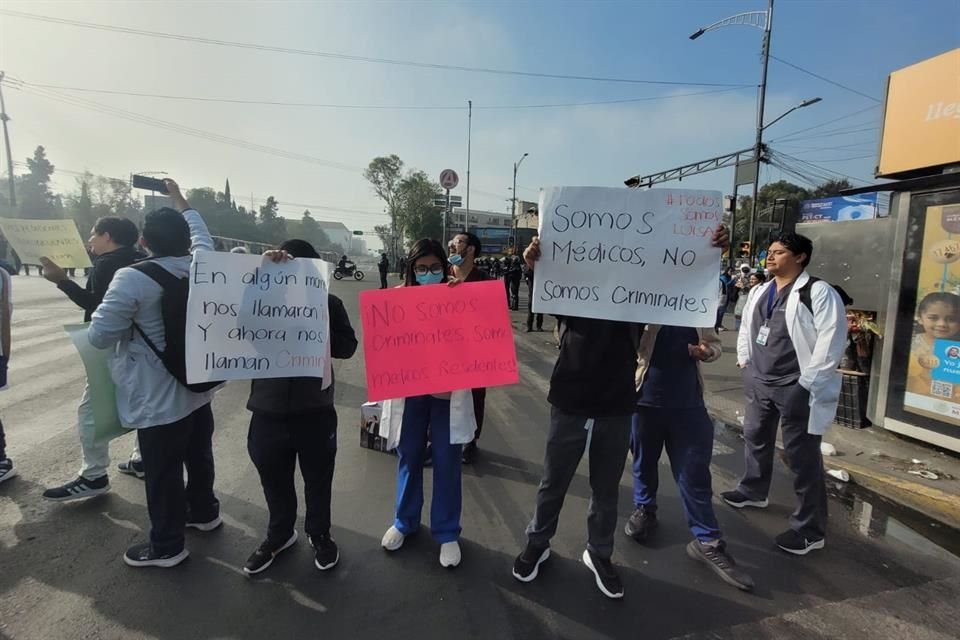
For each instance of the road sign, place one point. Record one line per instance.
(449, 179)
(440, 200)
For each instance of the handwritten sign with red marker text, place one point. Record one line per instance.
(629, 255)
(435, 338)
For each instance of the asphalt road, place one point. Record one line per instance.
(62, 575)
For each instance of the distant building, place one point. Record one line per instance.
(527, 215)
(458, 219)
(338, 233)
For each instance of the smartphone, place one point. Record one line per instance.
(148, 183)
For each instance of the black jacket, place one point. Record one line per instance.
(285, 396)
(595, 372)
(104, 266)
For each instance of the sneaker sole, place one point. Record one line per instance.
(756, 504)
(327, 567)
(536, 568)
(819, 544)
(693, 555)
(163, 563)
(93, 493)
(10, 474)
(206, 526)
(587, 561)
(139, 475)
(394, 547)
(289, 543)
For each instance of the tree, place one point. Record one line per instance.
(385, 174)
(311, 231)
(35, 198)
(273, 227)
(227, 199)
(80, 206)
(831, 188)
(422, 219)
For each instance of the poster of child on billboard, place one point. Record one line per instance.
(933, 373)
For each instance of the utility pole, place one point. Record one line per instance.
(466, 220)
(758, 146)
(6, 140)
(513, 209)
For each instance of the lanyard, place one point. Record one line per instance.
(771, 301)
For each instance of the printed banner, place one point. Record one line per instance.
(435, 338)
(629, 255)
(250, 318)
(100, 388)
(54, 239)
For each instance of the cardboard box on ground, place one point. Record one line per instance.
(370, 427)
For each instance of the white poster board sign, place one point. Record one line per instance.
(58, 240)
(629, 255)
(250, 318)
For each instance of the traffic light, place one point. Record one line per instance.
(745, 249)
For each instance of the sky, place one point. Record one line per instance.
(850, 42)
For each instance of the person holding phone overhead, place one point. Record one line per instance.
(450, 420)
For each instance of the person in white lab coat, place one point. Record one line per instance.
(790, 343)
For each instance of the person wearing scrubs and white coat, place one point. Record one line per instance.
(791, 339)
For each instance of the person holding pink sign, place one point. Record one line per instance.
(450, 421)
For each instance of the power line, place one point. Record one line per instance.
(380, 107)
(349, 57)
(827, 80)
(845, 131)
(823, 124)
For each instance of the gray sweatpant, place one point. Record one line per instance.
(788, 405)
(609, 441)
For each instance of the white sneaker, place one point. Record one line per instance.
(392, 539)
(450, 554)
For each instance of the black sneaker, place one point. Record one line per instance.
(470, 451)
(607, 579)
(739, 501)
(798, 544)
(78, 489)
(328, 555)
(722, 563)
(132, 468)
(264, 555)
(7, 470)
(641, 524)
(527, 565)
(209, 525)
(143, 555)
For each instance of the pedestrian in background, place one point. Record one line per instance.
(753, 280)
(531, 316)
(7, 469)
(450, 421)
(513, 273)
(789, 347)
(671, 413)
(113, 243)
(174, 424)
(383, 266)
(294, 419)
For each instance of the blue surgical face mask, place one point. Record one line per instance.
(429, 278)
(455, 259)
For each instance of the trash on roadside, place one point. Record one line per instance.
(839, 474)
(923, 473)
(915, 461)
(828, 449)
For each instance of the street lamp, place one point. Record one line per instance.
(513, 208)
(762, 20)
(805, 103)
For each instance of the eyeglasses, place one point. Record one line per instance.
(421, 270)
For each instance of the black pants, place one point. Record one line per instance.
(530, 314)
(479, 406)
(789, 406)
(3, 443)
(383, 279)
(275, 443)
(511, 282)
(166, 449)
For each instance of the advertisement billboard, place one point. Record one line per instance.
(865, 206)
(921, 120)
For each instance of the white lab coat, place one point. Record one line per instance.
(463, 420)
(819, 339)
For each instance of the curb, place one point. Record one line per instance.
(933, 503)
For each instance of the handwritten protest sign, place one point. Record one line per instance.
(54, 239)
(629, 255)
(433, 339)
(101, 391)
(250, 318)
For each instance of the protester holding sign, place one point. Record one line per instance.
(175, 424)
(113, 242)
(451, 422)
(7, 470)
(295, 419)
(592, 398)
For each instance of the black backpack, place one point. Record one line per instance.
(805, 297)
(173, 307)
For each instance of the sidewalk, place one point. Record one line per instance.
(875, 459)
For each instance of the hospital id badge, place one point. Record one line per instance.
(763, 335)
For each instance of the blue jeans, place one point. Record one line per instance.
(688, 437)
(423, 414)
